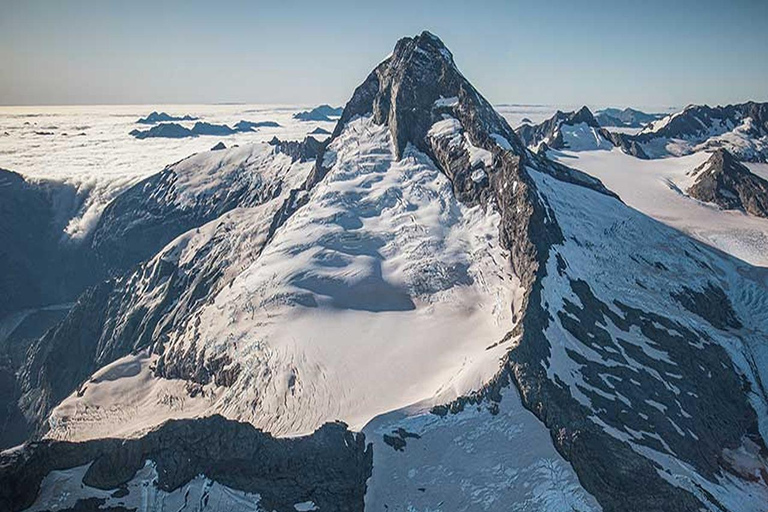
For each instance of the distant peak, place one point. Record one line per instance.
(583, 115)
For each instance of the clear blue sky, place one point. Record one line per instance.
(670, 52)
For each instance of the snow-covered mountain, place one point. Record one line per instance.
(578, 131)
(741, 129)
(504, 331)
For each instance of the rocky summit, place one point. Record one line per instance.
(428, 310)
(726, 182)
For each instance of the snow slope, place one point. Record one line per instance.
(381, 260)
(656, 188)
(473, 460)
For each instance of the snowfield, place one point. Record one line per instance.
(657, 188)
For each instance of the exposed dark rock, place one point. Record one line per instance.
(202, 128)
(219, 147)
(303, 151)
(329, 467)
(319, 131)
(399, 438)
(626, 143)
(711, 304)
(730, 185)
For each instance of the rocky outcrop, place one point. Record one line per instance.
(302, 151)
(328, 468)
(724, 181)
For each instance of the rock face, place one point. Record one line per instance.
(730, 185)
(741, 129)
(328, 468)
(576, 130)
(626, 118)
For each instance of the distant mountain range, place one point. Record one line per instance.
(177, 131)
(321, 113)
(628, 117)
(740, 129)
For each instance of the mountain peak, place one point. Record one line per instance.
(728, 183)
(425, 43)
(418, 85)
(583, 115)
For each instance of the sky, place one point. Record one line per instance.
(622, 53)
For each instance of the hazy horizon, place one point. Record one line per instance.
(563, 53)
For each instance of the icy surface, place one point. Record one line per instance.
(582, 137)
(473, 460)
(656, 188)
